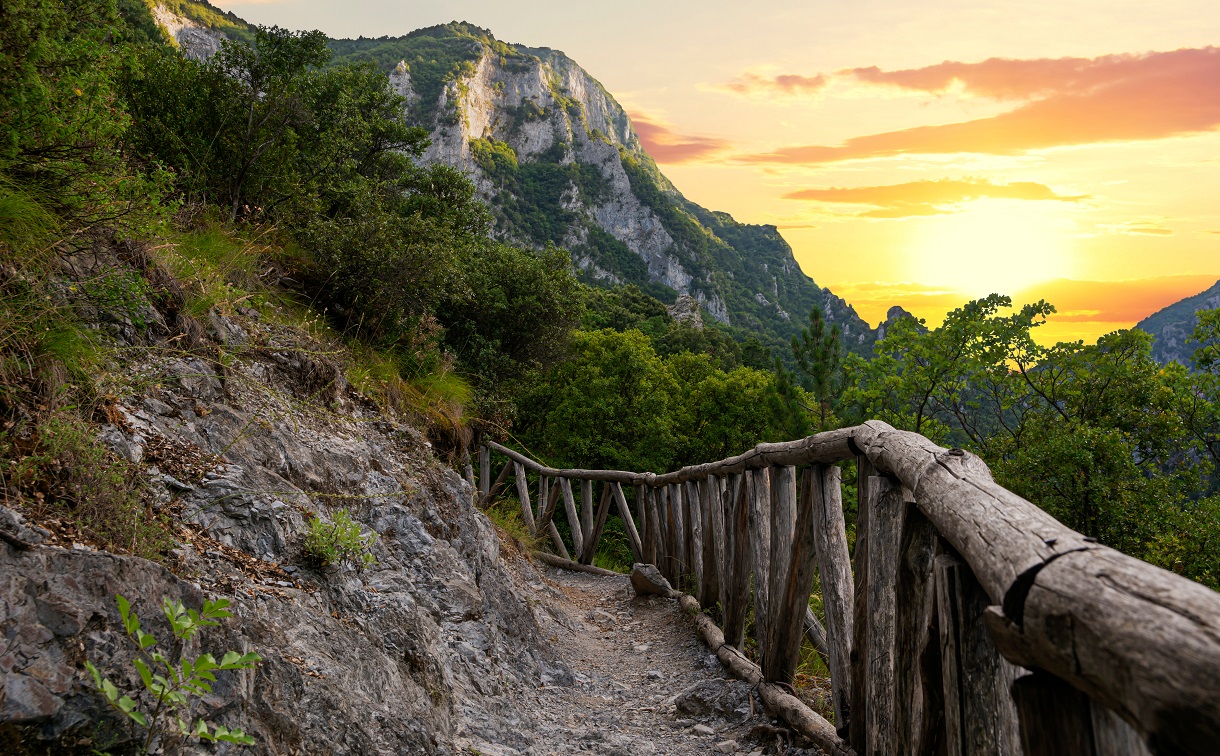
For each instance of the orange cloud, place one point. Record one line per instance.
(1069, 101)
(667, 146)
(917, 198)
(784, 84)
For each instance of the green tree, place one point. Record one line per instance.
(819, 355)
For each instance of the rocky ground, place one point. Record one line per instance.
(640, 680)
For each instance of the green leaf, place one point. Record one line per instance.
(147, 640)
(108, 690)
(145, 673)
(97, 676)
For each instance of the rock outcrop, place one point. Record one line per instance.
(1172, 326)
(422, 649)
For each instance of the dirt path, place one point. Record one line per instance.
(640, 682)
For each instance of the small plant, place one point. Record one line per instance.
(172, 682)
(337, 541)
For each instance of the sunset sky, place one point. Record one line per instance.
(918, 154)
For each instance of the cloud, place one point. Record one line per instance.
(1138, 228)
(667, 146)
(784, 84)
(918, 198)
(1064, 102)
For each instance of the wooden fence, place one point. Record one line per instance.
(965, 621)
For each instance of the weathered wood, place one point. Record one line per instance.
(713, 527)
(586, 510)
(783, 522)
(640, 514)
(694, 519)
(979, 716)
(1138, 639)
(668, 564)
(567, 564)
(652, 528)
(1000, 535)
(738, 561)
(791, 602)
(569, 506)
(918, 688)
(498, 486)
(633, 537)
(834, 569)
(867, 493)
(484, 470)
(1113, 736)
(678, 534)
(546, 508)
(544, 490)
(776, 698)
(758, 486)
(557, 540)
(884, 536)
(815, 631)
(523, 493)
(603, 510)
(1055, 718)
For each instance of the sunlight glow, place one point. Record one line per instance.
(992, 246)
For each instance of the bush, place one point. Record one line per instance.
(173, 683)
(338, 541)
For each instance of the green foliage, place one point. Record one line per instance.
(819, 355)
(515, 313)
(173, 683)
(338, 541)
(434, 57)
(1112, 444)
(61, 122)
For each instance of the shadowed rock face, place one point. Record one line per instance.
(403, 657)
(1172, 327)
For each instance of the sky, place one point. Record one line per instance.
(914, 154)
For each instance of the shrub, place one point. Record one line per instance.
(337, 541)
(172, 683)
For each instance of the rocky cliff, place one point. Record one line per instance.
(557, 159)
(1172, 326)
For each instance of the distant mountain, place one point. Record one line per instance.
(1172, 326)
(558, 161)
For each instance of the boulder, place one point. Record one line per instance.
(647, 580)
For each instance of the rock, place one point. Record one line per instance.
(602, 618)
(686, 310)
(647, 580)
(720, 698)
(641, 648)
(725, 746)
(26, 699)
(702, 729)
(654, 674)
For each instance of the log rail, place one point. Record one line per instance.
(965, 620)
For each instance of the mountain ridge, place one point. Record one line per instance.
(558, 161)
(1171, 326)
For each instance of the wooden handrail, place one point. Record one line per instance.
(1141, 641)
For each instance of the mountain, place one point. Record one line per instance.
(557, 159)
(1172, 326)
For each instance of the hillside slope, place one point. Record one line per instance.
(557, 159)
(1172, 326)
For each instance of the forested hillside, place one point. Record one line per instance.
(558, 161)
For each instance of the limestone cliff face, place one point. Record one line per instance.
(542, 108)
(527, 104)
(195, 39)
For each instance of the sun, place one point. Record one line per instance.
(992, 246)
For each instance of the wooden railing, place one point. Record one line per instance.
(965, 621)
